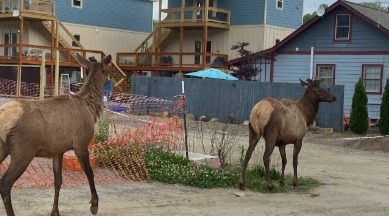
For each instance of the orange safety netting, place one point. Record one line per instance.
(128, 125)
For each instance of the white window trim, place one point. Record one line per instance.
(327, 65)
(81, 3)
(280, 8)
(349, 28)
(364, 67)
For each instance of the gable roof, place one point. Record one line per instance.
(379, 19)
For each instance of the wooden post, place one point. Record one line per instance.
(205, 38)
(19, 73)
(56, 77)
(42, 76)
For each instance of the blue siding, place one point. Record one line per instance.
(348, 69)
(247, 12)
(289, 17)
(364, 37)
(134, 15)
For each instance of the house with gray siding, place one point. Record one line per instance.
(348, 42)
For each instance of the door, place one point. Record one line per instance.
(11, 38)
(197, 58)
(209, 50)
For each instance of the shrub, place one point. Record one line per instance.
(383, 123)
(359, 115)
(102, 132)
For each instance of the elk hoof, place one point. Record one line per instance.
(94, 208)
(241, 187)
(54, 213)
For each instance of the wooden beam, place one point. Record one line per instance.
(181, 45)
(205, 38)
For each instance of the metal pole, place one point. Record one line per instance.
(185, 128)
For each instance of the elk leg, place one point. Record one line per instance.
(266, 161)
(253, 141)
(83, 158)
(283, 157)
(3, 151)
(57, 169)
(296, 151)
(16, 168)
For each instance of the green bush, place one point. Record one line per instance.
(359, 115)
(383, 123)
(102, 132)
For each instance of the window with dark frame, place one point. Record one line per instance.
(280, 4)
(77, 3)
(342, 28)
(326, 73)
(74, 44)
(372, 78)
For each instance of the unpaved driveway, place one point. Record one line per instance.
(356, 183)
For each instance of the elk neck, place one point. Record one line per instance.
(309, 106)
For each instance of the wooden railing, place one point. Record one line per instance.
(170, 60)
(191, 14)
(15, 7)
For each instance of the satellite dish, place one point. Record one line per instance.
(320, 11)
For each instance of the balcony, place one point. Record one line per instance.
(32, 9)
(173, 62)
(196, 17)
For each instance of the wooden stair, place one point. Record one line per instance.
(45, 28)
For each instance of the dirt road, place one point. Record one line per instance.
(355, 183)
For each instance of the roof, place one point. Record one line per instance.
(379, 19)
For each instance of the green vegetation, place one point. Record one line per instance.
(102, 131)
(359, 115)
(383, 123)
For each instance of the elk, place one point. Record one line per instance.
(281, 123)
(49, 128)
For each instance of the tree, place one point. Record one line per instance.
(308, 16)
(245, 70)
(375, 5)
(383, 123)
(359, 116)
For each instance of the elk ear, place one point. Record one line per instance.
(303, 83)
(83, 61)
(106, 61)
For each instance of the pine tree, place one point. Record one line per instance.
(383, 123)
(359, 115)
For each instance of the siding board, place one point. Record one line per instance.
(220, 98)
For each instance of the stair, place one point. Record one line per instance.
(64, 40)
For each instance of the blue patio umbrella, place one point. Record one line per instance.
(212, 73)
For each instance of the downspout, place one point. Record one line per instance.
(311, 66)
(264, 25)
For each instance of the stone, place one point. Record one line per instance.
(214, 120)
(246, 123)
(202, 118)
(240, 194)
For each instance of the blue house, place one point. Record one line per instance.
(349, 41)
(56, 30)
(196, 34)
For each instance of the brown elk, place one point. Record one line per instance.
(281, 123)
(49, 128)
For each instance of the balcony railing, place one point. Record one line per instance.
(14, 7)
(196, 14)
(170, 61)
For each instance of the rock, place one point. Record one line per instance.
(202, 118)
(245, 123)
(231, 119)
(190, 116)
(240, 194)
(214, 120)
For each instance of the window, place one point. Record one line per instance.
(74, 44)
(372, 78)
(77, 3)
(342, 27)
(326, 72)
(280, 4)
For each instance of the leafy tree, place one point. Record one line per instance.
(308, 16)
(245, 70)
(383, 123)
(359, 115)
(375, 5)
